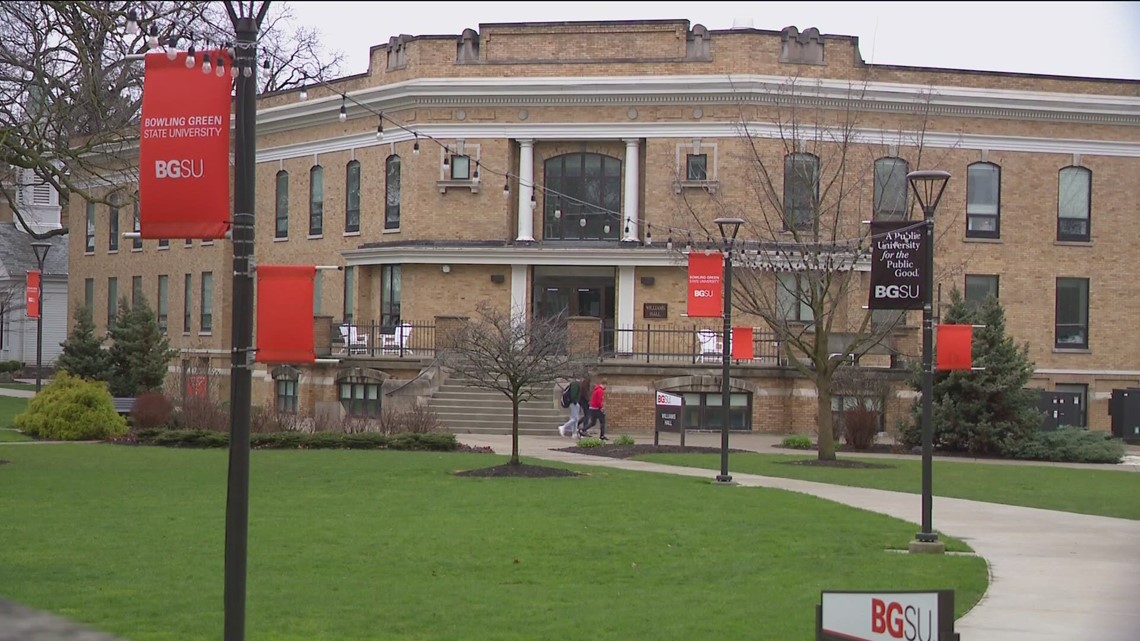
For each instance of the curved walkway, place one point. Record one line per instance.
(1054, 576)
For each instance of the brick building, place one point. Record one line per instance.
(565, 167)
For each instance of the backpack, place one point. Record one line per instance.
(566, 400)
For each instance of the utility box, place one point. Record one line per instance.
(1124, 408)
(1059, 408)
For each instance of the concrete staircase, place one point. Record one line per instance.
(468, 410)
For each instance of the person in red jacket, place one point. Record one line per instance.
(597, 410)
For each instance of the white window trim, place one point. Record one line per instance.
(460, 148)
(697, 146)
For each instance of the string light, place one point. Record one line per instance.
(507, 188)
(152, 39)
(133, 22)
(416, 146)
(304, 95)
(475, 174)
(247, 71)
(206, 66)
(343, 109)
(219, 67)
(190, 52)
(233, 69)
(171, 48)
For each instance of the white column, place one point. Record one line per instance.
(526, 190)
(624, 320)
(518, 294)
(632, 171)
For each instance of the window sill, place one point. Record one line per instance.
(391, 231)
(89, 252)
(185, 334)
(207, 243)
(1072, 350)
(314, 236)
(163, 247)
(281, 240)
(352, 233)
(206, 333)
(135, 250)
(978, 239)
(444, 185)
(708, 185)
(1073, 243)
(111, 252)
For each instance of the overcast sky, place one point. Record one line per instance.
(1095, 39)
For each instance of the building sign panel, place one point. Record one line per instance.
(898, 256)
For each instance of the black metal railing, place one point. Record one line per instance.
(663, 343)
(408, 339)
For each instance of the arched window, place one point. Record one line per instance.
(392, 192)
(281, 206)
(983, 200)
(1074, 200)
(583, 197)
(890, 189)
(801, 190)
(316, 201)
(352, 196)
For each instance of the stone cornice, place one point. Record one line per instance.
(712, 89)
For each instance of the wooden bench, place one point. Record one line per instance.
(124, 404)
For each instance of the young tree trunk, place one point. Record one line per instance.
(823, 420)
(514, 430)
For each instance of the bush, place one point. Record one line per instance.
(860, 426)
(1070, 445)
(590, 441)
(71, 409)
(797, 442)
(199, 413)
(151, 409)
(436, 442)
(624, 439)
(10, 367)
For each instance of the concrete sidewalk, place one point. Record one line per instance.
(1054, 576)
(18, 393)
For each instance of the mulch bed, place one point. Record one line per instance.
(628, 451)
(521, 470)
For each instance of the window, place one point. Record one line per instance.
(389, 297)
(352, 197)
(983, 200)
(360, 400)
(113, 227)
(801, 190)
(286, 395)
(112, 300)
(591, 184)
(136, 242)
(793, 297)
(136, 292)
(349, 293)
(163, 243)
(163, 301)
(1072, 313)
(697, 167)
(316, 201)
(281, 206)
(1082, 395)
(189, 242)
(979, 287)
(460, 167)
(703, 411)
(1074, 198)
(206, 316)
(88, 293)
(186, 298)
(392, 192)
(890, 189)
(90, 246)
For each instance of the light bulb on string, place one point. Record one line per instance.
(475, 174)
(247, 71)
(669, 243)
(171, 48)
(446, 155)
(605, 228)
(582, 221)
(190, 56)
(234, 69)
(152, 38)
(206, 66)
(416, 146)
(133, 22)
(648, 237)
(343, 109)
(219, 67)
(507, 188)
(304, 95)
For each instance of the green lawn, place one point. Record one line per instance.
(10, 406)
(1091, 491)
(28, 387)
(370, 545)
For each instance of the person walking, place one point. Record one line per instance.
(597, 410)
(574, 394)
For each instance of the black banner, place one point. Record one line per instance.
(898, 258)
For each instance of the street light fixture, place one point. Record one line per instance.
(928, 186)
(729, 227)
(41, 250)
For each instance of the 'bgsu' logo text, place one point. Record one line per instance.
(179, 168)
(901, 622)
(896, 291)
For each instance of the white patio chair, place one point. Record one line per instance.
(354, 343)
(397, 341)
(710, 345)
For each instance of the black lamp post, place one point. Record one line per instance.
(729, 227)
(928, 187)
(41, 250)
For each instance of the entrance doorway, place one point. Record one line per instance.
(576, 291)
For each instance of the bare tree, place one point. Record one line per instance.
(11, 301)
(495, 352)
(70, 100)
(803, 248)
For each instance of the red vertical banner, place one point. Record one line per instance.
(285, 313)
(706, 285)
(184, 149)
(955, 347)
(32, 300)
(742, 347)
